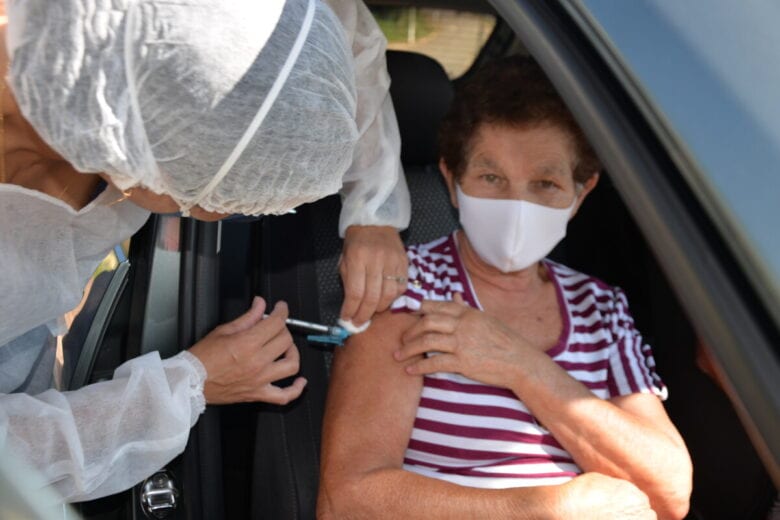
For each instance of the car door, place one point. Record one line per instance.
(163, 297)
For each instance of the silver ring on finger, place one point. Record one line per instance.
(397, 279)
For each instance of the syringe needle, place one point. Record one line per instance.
(314, 327)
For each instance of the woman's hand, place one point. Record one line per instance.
(467, 341)
(245, 356)
(373, 268)
(593, 496)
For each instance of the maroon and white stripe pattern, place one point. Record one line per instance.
(482, 436)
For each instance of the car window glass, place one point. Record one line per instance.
(453, 38)
(160, 330)
(85, 311)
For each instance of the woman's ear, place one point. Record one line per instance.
(449, 179)
(586, 188)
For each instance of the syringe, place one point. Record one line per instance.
(328, 333)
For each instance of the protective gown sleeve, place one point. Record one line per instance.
(107, 436)
(374, 192)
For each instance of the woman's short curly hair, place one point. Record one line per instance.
(512, 91)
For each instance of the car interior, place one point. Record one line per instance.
(262, 461)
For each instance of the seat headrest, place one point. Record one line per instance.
(421, 93)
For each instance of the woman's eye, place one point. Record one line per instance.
(490, 178)
(546, 185)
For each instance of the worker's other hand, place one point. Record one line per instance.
(244, 357)
(373, 268)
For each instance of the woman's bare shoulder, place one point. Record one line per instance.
(384, 334)
(371, 352)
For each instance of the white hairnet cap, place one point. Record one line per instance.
(240, 106)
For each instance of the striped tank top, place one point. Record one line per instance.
(483, 436)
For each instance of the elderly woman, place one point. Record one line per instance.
(506, 385)
(205, 107)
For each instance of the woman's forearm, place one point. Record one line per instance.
(631, 440)
(397, 493)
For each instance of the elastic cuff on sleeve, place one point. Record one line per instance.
(197, 380)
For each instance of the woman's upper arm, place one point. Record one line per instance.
(371, 401)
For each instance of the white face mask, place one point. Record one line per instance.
(511, 235)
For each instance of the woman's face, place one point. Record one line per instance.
(535, 164)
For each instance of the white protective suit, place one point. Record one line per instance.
(108, 436)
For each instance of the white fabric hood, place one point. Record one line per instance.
(244, 106)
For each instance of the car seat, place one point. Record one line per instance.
(304, 272)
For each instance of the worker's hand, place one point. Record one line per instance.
(245, 356)
(593, 496)
(373, 268)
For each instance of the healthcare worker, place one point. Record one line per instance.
(206, 107)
